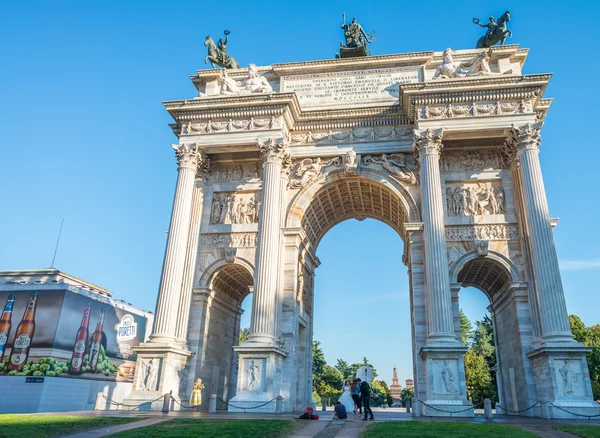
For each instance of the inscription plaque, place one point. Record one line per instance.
(350, 88)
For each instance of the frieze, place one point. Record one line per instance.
(473, 160)
(231, 125)
(503, 231)
(228, 240)
(478, 109)
(251, 173)
(352, 135)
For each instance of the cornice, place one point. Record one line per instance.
(470, 90)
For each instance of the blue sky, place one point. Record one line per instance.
(84, 136)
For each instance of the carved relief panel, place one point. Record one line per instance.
(445, 376)
(235, 208)
(475, 198)
(254, 374)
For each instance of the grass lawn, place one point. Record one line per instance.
(215, 429)
(421, 429)
(42, 426)
(582, 431)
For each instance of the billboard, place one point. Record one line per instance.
(60, 333)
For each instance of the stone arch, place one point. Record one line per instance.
(209, 274)
(217, 312)
(488, 273)
(395, 206)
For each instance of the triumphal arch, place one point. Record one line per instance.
(442, 147)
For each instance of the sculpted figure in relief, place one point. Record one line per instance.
(254, 83)
(394, 164)
(307, 169)
(569, 378)
(150, 376)
(472, 201)
(447, 378)
(478, 66)
(350, 164)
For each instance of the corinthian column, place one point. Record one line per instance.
(189, 158)
(263, 324)
(525, 141)
(427, 148)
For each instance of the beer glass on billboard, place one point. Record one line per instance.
(24, 336)
(5, 324)
(81, 341)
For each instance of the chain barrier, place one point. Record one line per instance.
(589, 417)
(522, 410)
(133, 407)
(188, 406)
(451, 412)
(247, 408)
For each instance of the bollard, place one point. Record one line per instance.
(100, 403)
(415, 407)
(313, 405)
(212, 404)
(408, 402)
(279, 405)
(546, 410)
(167, 402)
(323, 404)
(487, 409)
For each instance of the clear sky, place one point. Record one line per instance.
(84, 136)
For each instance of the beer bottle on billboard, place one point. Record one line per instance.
(81, 341)
(23, 336)
(96, 342)
(5, 324)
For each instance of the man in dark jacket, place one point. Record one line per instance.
(365, 395)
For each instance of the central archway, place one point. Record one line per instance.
(328, 200)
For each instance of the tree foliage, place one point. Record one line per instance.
(380, 393)
(466, 329)
(244, 333)
(477, 376)
(355, 367)
(345, 369)
(407, 394)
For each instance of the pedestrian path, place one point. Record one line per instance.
(109, 430)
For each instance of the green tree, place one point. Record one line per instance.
(477, 376)
(483, 341)
(244, 333)
(344, 368)
(406, 395)
(578, 328)
(380, 393)
(466, 329)
(330, 384)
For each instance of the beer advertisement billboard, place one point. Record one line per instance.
(60, 333)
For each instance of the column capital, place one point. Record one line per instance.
(190, 156)
(525, 136)
(272, 151)
(428, 142)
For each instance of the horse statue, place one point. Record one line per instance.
(496, 32)
(218, 54)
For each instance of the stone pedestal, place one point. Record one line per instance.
(446, 386)
(259, 379)
(562, 378)
(158, 371)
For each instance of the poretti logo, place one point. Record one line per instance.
(126, 328)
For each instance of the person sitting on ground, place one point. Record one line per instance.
(339, 411)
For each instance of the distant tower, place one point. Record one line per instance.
(395, 388)
(410, 384)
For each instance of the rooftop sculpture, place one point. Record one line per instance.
(496, 31)
(217, 54)
(355, 40)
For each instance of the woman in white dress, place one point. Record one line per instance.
(346, 397)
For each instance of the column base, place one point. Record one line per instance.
(446, 387)
(562, 381)
(259, 378)
(158, 372)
